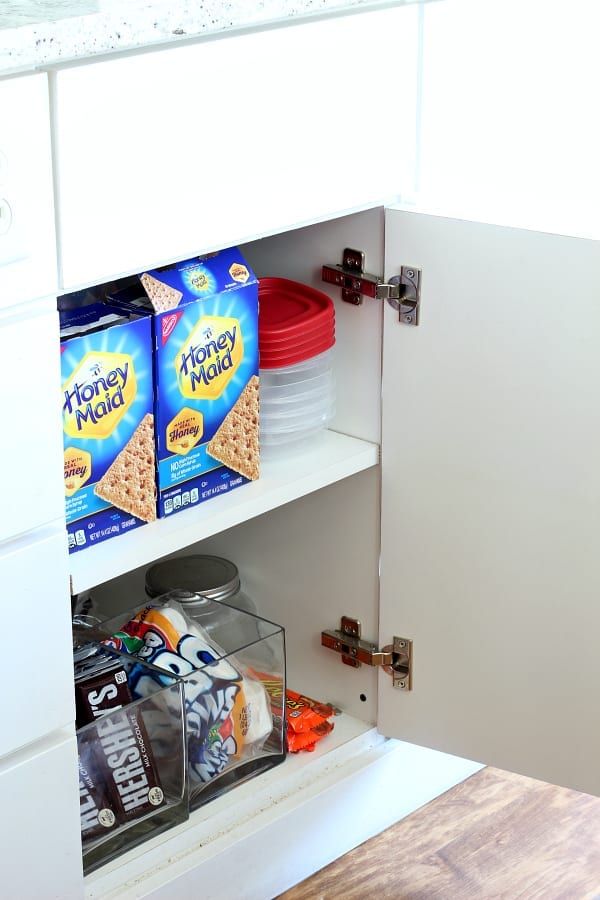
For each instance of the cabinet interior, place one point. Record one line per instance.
(337, 527)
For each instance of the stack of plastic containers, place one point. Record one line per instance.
(296, 337)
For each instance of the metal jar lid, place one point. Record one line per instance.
(211, 576)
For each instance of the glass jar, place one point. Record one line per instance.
(199, 580)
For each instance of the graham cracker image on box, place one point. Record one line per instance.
(235, 444)
(162, 296)
(129, 482)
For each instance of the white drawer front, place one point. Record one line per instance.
(41, 845)
(37, 697)
(27, 244)
(31, 484)
(167, 154)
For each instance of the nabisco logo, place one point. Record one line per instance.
(168, 324)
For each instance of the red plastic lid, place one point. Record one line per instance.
(305, 340)
(272, 359)
(310, 333)
(308, 343)
(288, 308)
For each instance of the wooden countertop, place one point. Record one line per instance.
(496, 836)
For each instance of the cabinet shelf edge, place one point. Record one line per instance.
(336, 456)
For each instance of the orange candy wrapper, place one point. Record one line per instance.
(307, 719)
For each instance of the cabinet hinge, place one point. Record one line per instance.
(403, 291)
(395, 658)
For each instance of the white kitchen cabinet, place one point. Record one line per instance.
(31, 452)
(474, 537)
(472, 467)
(41, 851)
(36, 621)
(209, 144)
(27, 247)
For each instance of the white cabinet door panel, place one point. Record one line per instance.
(27, 245)
(41, 844)
(31, 491)
(36, 655)
(491, 497)
(170, 153)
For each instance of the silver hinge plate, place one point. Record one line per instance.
(395, 658)
(402, 663)
(403, 291)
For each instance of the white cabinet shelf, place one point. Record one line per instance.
(276, 794)
(270, 833)
(332, 458)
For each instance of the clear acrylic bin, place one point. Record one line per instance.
(133, 773)
(233, 685)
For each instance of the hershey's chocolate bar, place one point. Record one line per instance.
(95, 809)
(124, 754)
(118, 753)
(100, 687)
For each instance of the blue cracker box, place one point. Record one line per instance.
(108, 422)
(205, 317)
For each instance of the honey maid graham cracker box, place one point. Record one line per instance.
(205, 316)
(108, 422)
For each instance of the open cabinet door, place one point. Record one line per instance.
(491, 497)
